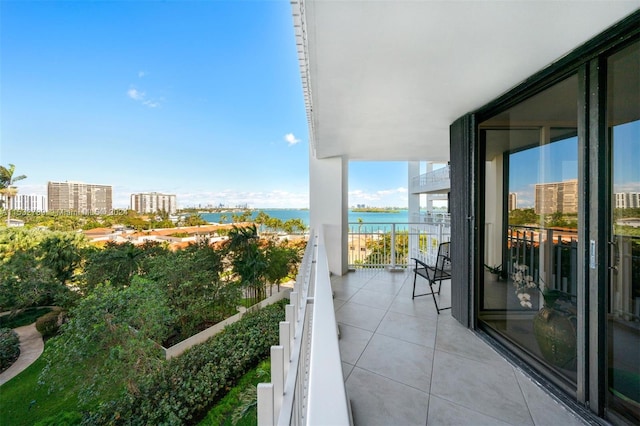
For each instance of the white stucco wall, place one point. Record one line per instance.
(328, 207)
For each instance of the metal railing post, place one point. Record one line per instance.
(265, 404)
(393, 246)
(277, 378)
(285, 342)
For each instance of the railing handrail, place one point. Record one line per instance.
(412, 222)
(328, 403)
(307, 386)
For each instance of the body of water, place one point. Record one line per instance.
(400, 216)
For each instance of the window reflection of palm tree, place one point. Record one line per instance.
(7, 188)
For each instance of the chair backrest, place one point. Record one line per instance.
(443, 263)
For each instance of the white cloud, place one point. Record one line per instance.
(151, 104)
(291, 139)
(142, 74)
(400, 190)
(382, 198)
(228, 197)
(140, 96)
(253, 199)
(135, 94)
(31, 189)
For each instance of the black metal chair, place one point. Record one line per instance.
(437, 273)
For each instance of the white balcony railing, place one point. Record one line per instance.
(307, 385)
(431, 217)
(392, 245)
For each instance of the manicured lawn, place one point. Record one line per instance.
(239, 403)
(24, 402)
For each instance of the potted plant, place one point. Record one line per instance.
(554, 325)
(495, 270)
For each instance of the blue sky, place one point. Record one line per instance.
(555, 162)
(558, 161)
(198, 98)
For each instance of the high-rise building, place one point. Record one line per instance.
(557, 197)
(153, 202)
(627, 200)
(513, 201)
(79, 197)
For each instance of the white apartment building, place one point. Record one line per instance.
(153, 202)
(627, 200)
(29, 203)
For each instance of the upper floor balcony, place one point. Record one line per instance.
(434, 182)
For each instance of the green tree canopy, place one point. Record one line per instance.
(523, 217)
(196, 291)
(118, 263)
(248, 260)
(113, 334)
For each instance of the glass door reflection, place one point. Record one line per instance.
(623, 319)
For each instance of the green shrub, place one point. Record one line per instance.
(9, 348)
(239, 405)
(49, 324)
(187, 386)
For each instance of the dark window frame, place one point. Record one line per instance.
(587, 61)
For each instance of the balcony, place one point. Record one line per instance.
(405, 364)
(435, 182)
(396, 361)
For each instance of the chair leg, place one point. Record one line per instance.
(413, 295)
(433, 294)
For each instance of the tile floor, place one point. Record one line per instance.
(405, 365)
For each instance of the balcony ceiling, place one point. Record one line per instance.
(387, 78)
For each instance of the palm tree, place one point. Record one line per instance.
(7, 180)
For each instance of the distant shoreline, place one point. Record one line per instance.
(239, 209)
(377, 210)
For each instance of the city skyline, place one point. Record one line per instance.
(199, 99)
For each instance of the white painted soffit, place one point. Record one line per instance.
(383, 80)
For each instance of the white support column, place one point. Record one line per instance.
(429, 201)
(414, 199)
(413, 206)
(328, 207)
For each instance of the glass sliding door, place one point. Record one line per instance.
(623, 319)
(529, 289)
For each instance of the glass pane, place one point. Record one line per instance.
(529, 291)
(623, 325)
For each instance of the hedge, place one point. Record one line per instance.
(189, 385)
(9, 348)
(49, 324)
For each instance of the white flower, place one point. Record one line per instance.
(524, 296)
(523, 282)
